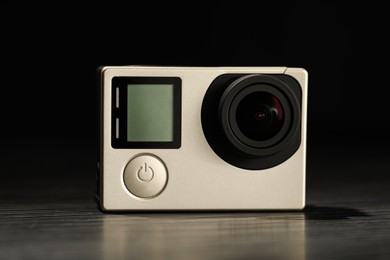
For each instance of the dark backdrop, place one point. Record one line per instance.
(50, 54)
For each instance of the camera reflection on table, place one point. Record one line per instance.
(211, 235)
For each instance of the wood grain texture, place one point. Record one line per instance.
(80, 231)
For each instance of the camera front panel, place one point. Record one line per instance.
(157, 151)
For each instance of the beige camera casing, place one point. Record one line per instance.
(197, 178)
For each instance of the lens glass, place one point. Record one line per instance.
(260, 116)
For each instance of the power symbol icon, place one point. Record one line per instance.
(145, 173)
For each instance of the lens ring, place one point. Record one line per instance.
(239, 89)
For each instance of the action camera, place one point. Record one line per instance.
(202, 138)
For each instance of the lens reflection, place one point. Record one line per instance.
(260, 116)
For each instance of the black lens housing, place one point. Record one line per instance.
(225, 121)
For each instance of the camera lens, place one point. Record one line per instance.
(260, 116)
(253, 121)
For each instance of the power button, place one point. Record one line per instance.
(145, 176)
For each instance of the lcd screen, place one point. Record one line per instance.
(150, 116)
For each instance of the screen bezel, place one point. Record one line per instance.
(120, 112)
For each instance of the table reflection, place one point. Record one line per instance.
(205, 235)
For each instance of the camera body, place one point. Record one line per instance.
(202, 138)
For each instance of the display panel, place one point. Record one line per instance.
(146, 112)
(150, 112)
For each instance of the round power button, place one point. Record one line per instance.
(145, 176)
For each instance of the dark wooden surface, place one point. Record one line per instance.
(47, 213)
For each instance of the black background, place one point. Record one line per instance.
(50, 53)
